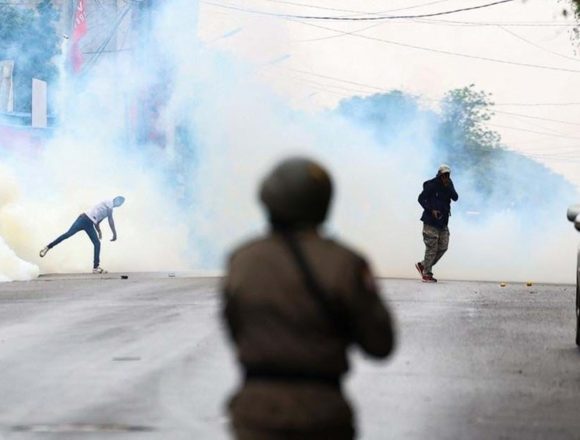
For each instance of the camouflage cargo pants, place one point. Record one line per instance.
(436, 244)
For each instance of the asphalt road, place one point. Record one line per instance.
(99, 357)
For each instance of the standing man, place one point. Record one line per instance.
(294, 302)
(436, 202)
(90, 223)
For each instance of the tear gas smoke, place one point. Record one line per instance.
(12, 268)
(189, 203)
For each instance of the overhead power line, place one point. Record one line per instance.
(373, 87)
(502, 25)
(445, 52)
(372, 18)
(337, 34)
(536, 104)
(411, 46)
(346, 93)
(101, 49)
(306, 5)
(535, 117)
(305, 72)
(534, 131)
(443, 22)
(537, 46)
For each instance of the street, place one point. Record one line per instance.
(101, 357)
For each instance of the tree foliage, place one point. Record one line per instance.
(387, 115)
(493, 177)
(463, 135)
(498, 176)
(574, 9)
(29, 37)
(464, 114)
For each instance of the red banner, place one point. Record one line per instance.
(79, 31)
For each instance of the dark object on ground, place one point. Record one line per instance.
(124, 277)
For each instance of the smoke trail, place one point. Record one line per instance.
(12, 268)
(189, 203)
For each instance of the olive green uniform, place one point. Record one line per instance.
(291, 351)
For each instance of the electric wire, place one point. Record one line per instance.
(533, 131)
(537, 46)
(536, 117)
(372, 18)
(447, 52)
(442, 51)
(339, 34)
(107, 40)
(383, 89)
(422, 5)
(443, 22)
(321, 87)
(536, 104)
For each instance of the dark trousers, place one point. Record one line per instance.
(82, 223)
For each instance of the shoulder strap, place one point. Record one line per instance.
(321, 297)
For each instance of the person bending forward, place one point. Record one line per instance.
(90, 223)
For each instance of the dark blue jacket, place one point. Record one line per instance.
(436, 196)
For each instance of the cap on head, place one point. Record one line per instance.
(297, 192)
(444, 169)
(118, 201)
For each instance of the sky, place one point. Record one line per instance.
(520, 51)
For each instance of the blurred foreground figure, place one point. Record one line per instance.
(90, 223)
(294, 301)
(436, 202)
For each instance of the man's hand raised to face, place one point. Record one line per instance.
(446, 179)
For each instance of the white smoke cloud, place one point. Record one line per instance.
(240, 128)
(12, 268)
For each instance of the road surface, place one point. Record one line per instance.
(100, 357)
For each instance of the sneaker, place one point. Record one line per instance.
(419, 268)
(429, 279)
(99, 270)
(44, 251)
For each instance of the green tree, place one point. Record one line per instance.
(387, 115)
(29, 37)
(495, 177)
(463, 136)
(574, 8)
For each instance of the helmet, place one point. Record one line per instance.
(297, 191)
(444, 169)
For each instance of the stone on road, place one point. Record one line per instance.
(101, 357)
